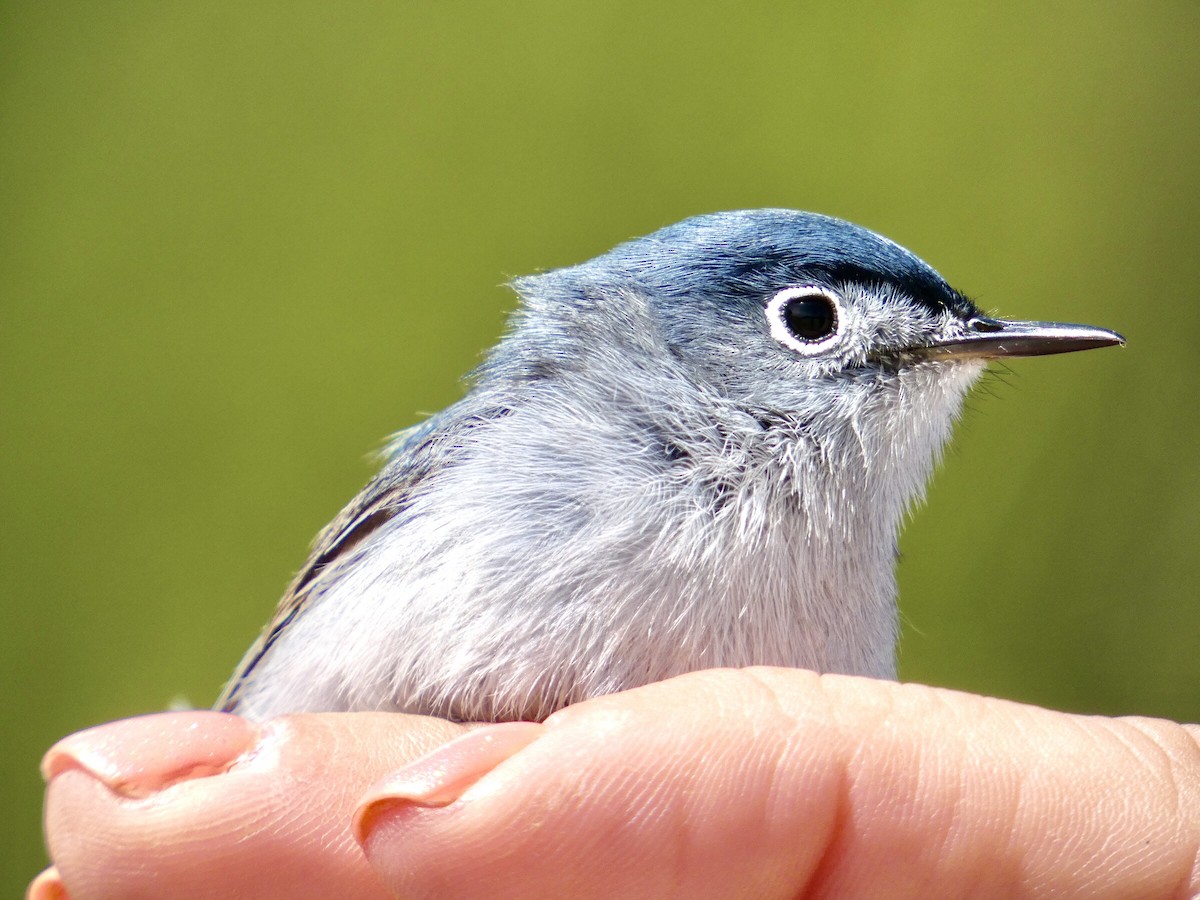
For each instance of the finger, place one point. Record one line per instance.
(206, 804)
(47, 885)
(772, 782)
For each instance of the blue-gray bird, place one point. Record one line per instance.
(695, 450)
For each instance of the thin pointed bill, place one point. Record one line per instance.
(1001, 338)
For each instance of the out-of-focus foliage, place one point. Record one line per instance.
(240, 243)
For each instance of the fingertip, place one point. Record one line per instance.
(139, 756)
(441, 776)
(48, 885)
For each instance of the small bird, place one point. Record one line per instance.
(696, 450)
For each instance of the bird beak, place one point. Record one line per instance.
(987, 338)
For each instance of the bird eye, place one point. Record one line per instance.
(810, 318)
(804, 318)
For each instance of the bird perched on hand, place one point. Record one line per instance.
(695, 450)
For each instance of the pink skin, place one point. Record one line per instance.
(759, 782)
(205, 804)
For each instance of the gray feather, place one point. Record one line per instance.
(640, 482)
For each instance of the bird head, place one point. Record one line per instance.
(816, 329)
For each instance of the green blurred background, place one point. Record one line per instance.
(241, 243)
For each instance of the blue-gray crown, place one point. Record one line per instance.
(754, 251)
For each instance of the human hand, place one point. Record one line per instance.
(755, 782)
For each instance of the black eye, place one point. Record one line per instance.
(805, 319)
(811, 317)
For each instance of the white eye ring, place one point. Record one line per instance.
(784, 328)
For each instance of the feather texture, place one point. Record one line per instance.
(640, 482)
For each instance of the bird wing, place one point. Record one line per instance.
(410, 462)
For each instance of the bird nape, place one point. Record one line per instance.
(693, 451)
